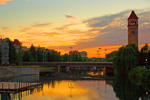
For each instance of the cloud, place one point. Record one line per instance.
(72, 18)
(5, 29)
(4, 2)
(107, 32)
(33, 27)
(41, 25)
(58, 33)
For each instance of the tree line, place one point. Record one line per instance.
(34, 54)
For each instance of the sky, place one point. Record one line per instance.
(84, 25)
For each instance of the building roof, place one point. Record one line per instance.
(16, 42)
(133, 15)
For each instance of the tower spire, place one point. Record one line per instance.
(133, 15)
(133, 28)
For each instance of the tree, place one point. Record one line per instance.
(110, 57)
(85, 59)
(143, 55)
(40, 54)
(19, 56)
(27, 56)
(33, 53)
(148, 57)
(12, 52)
(79, 58)
(126, 59)
(0, 55)
(65, 57)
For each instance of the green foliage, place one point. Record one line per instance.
(125, 90)
(53, 56)
(140, 77)
(12, 53)
(27, 56)
(39, 54)
(33, 53)
(126, 59)
(148, 57)
(137, 75)
(98, 60)
(19, 57)
(85, 59)
(65, 57)
(144, 54)
(75, 57)
(110, 57)
(0, 54)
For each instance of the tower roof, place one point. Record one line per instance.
(133, 15)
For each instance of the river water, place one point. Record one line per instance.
(115, 89)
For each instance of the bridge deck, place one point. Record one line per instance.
(104, 64)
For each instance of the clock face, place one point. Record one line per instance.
(133, 32)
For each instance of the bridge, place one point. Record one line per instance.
(72, 64)
(75, 66)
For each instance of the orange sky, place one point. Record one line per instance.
(63, 24)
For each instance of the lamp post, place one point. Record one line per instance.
(70, 54)
(99, 52)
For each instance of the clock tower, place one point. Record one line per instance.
(133, 28)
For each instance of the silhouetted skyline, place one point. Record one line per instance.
(85, 25)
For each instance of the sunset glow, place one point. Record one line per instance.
(84, 25)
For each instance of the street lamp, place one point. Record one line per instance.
(99, 52)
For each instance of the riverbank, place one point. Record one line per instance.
(12, 71)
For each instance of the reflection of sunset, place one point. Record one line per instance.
(73, 90)
(65, 89)
(97, 73)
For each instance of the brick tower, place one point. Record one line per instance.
(133, 28)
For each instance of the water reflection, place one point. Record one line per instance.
(125, 90)
(76, 90)
(118, 89)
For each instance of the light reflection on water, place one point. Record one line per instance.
(73, 90)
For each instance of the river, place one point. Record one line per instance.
(114, 89)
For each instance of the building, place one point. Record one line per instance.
(24, 48)
(83, 54)
(133, 28)
(16, 44)
(4, 51)
(75, 51)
